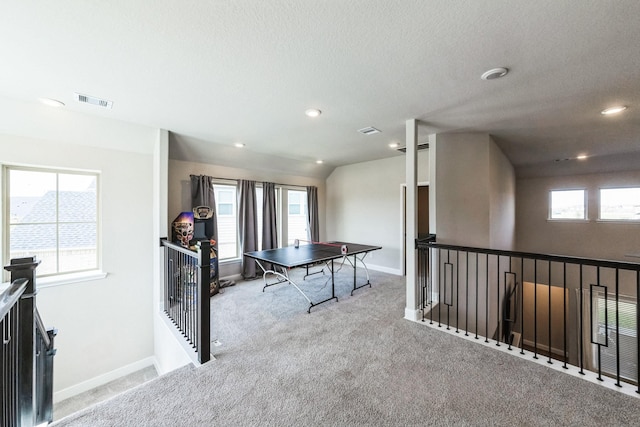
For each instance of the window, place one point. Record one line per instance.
(226, 201)
(620, 204)
(605, 333)
(294, 206)
(567, 204)
(297, 218)
(54, 216)
(259, 198)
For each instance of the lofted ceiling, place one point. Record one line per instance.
(215, 73)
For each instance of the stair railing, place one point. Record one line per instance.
(569, 310)
(186, 294)
(26, 351)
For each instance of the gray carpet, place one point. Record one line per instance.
(351, 363)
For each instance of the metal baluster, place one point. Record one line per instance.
(549, 314)
(581, 324)
(486, 300)
(498, 306)
(431, 257)
(535, 308)
(457, 289)
(439, 282)
(637, 326)
(606, 321)
(521, 305)
(476, 295)
(466, 304)
(448, 263)
(564, 311)
(618, 330)
(423, 279)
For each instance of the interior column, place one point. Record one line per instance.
(411, 309)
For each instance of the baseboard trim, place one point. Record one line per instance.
(103, 379)
(540, 346)
(234, 277)
(394, 271)
(411, 314)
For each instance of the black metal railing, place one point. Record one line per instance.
(186, 299)
(569, 310)
(45, 353)
(26, 351)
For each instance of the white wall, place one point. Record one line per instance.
(105, 326)
(169, 349)
(364, 205)
(179, 190)
(475, 200)
(502, 184)
(592, 238)
(463, 196)
(475, 206)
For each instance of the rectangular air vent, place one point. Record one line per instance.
(422, 146)
(86, 99)
(368, 131)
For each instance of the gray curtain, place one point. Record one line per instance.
(202, 194)
(269, 220)
(248, 225)
(312, 214)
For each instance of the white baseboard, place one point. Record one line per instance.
(411, 314)
(382, 269)
(234, 277)
(102, 379)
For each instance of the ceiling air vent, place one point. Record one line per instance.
(368, 131)
(422, 146)
(86, 99)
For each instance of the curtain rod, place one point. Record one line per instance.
(236, 180)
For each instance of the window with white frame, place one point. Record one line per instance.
(620, 204)
(567, 204)
(297, 217)
(613, 343)
(226, 210)
(52, 214)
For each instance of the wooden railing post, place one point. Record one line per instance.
(204, 302)
(25, 268)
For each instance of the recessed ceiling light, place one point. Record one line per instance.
(238, 145)
(582, 157)
(313, 112)
(319, 162)
(494, 73)
(613, 110)
(393, 145)
(52, 102)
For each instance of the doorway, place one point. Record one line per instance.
(422, 202)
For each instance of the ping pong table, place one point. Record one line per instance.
(307, 255)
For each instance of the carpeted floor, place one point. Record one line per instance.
(356, 362)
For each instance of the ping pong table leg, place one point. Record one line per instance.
(354, 264)
(281, 277)
(311, 274)
(333, 290)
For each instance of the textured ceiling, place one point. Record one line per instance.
(219, 72)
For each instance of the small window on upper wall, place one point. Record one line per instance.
(567, 204)
(53, 214)
(620, 204)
